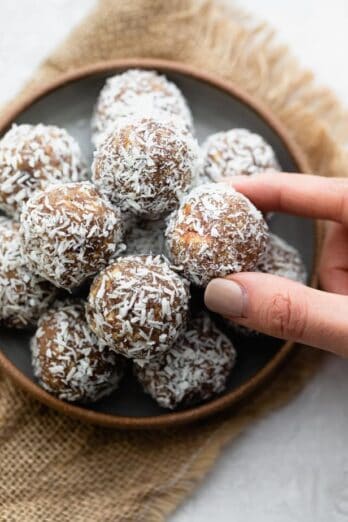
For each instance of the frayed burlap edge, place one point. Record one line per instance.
(219, 39)
(228, 42)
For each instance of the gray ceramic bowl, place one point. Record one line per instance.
(216, 105)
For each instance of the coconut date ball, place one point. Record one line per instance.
(194, 370)
(145, 165)
(68, 359)
(236, 152)
(23, 296)
(138, 306)
(136, 92)
(32, 157)
(216, 231)
(283, 260)
(69, 232)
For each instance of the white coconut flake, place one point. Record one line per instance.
(146, 237)
(215, 232)
(32, 157)
(129, 309)
(136, 92)
(78, 367)
(70, 232)
(146, 164)
(283, 260)
(236, 152)
(24, 296)
(195, 369)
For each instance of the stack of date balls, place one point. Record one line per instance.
(101, 265)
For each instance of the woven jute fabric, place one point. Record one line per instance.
(53, 468)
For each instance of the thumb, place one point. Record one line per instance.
(282, 308)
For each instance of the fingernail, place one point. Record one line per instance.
(225, 297)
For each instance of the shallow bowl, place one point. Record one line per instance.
(216, 105)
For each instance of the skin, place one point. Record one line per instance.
(282, 308)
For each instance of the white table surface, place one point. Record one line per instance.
(293, 465)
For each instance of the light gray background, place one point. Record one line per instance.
(293, 465)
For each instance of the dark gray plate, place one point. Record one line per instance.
(213, 110)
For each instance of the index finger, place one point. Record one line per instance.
(300, 194)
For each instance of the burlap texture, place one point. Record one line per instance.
(53, 468)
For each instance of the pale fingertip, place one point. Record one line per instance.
(226, 298)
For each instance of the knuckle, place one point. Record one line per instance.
(285, 317)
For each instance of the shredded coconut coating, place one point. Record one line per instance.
(194, 370)
(136, 92)
(283, 260)
(68, 359)
(23, 295)
(146, 237)
(215, 232)
(70, 232)
(138, 306)
(32, 157)
(280, 259)
(146, 164)
(236, 152)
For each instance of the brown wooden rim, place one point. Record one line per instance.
(232, 397)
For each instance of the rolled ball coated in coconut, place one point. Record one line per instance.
(68, 359)
(24, 296)
(32, 157)
(194, 370)
(145, 165)
(138, 306)
(70, 232)
(236, 152)
(215, 232)
(136, 92)
(283, 260)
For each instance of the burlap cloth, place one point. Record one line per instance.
(54, 468)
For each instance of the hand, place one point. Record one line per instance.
(279, 307)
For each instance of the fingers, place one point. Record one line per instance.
(300, 194)
(333, 268)
(282, 308)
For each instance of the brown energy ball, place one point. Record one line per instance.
(283, 260)
(194, 370)
(145, 165)
(234, 152)
(138, 306)
(32, 157)
(68, 359)
(136, 92)
(215, 232)
(70, 232)
(23, 295)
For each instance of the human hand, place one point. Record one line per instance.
(279, 307)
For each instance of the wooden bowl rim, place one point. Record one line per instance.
(214, 406)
